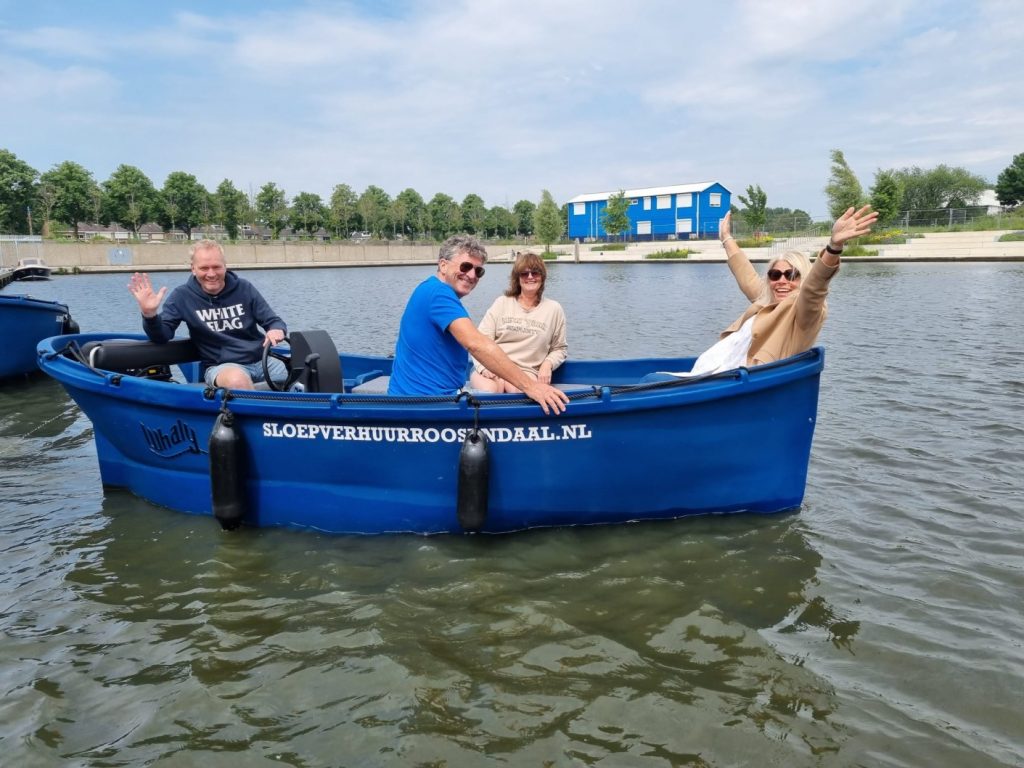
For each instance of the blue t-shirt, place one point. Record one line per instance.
(428, 359)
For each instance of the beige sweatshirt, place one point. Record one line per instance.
(528, 337)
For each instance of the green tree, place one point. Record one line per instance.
(74, 188)
(230, 207)
(524, 211)
(616, 214)
(939, 187)
(474, 214)
(547, 221)
(185, 203)
(1010, 184)
(374, 206)
(17, 192)
(272, 208)
(414, 210)
(444, 214)
(342, 213)
(843, 190)
(129, 198)
(887, 196)
(501, 221)
(755, 205)
(307, 214)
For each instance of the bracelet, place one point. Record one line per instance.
(833, 251)
(730, 237)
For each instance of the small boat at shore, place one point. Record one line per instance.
(24, 322)
(342, 456)
(32, 269)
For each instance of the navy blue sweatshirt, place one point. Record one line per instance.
(225, 327)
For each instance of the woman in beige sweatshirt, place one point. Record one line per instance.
(529, 328)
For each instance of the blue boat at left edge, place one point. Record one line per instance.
(24, 322)
(344, 457)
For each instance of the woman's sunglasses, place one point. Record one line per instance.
(466, 266)
(789, 274)
(530, 273)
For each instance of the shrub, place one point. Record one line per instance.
(680, 253)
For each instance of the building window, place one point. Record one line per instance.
(664, 201)
(684, 226)
(715, 199)
(684, 201)
(643, 227)
(634, 201)
(578, 209)
(647, 203)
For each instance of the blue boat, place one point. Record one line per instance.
(344, 457)
(24, 322)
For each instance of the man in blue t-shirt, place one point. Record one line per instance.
(224, 314)
(436, 334)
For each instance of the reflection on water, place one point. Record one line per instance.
(582, 642)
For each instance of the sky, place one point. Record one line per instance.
(506, 99)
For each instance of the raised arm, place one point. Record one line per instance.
(746, 276)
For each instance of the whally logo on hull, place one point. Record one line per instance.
(179, 439)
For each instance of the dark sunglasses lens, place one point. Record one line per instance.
(789, 274)
(466, 266)
(529, 273)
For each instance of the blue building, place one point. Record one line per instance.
(680, 212)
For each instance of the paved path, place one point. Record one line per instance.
(941, 246)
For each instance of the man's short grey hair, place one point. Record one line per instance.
(205, 245)
(462, 244)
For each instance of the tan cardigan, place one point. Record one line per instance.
(789, 326)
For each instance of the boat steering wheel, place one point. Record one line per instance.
(269, 352)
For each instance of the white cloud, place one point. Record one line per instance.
(504, 99)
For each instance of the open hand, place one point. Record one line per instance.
(142, 289)
(725, 227)
(853, 224)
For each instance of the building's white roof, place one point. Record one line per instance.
(678, 189)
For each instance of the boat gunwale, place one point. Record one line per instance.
(600, 399)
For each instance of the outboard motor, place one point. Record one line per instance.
(315, 365)
(226, 482)
(474, 479)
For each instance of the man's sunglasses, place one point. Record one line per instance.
(466, 266)
(789, 274)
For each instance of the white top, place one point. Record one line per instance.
(726, 354)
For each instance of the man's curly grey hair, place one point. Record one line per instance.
(462, 244)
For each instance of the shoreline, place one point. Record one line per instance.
(103, 258)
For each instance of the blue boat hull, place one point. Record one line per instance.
(24, 322)
(365, 463)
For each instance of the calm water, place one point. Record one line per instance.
(880, 625)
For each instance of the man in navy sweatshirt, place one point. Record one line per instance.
(223, 313)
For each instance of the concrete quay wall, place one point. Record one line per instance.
(156, 257)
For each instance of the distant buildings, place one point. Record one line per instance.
(678, 212)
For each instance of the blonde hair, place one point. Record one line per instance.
(205, 245)
(799, 260)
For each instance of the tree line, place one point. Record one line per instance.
(68, 194)
(896, 194)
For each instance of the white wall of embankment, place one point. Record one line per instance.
(155, 257)
(127, 257)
